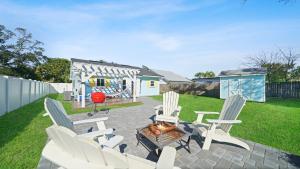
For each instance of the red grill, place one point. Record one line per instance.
(98, 97)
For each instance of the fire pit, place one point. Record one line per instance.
(163, 134)
(161, 128)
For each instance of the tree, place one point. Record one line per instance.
(5, 50)
(296, 74)
(279, 64)
(20, 54)
(207, 74)
(54, 70)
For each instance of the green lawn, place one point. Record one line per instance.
(23, 136)
(275, 123)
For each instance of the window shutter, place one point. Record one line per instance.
(107, 82)
(148, 83)
(92, 82)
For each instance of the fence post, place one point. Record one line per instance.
(21, 91)
(6, 94)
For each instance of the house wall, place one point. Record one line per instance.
(146, 89)
(251, 87)
(61, 87)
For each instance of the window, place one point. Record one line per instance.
(100, 82)
(124, 84)
(152, 83)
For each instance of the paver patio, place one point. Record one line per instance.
(220, 155)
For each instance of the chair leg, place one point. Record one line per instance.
(209, 137)
(207, 142)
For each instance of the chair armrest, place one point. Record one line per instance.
(206, 112)
(167, 158)
(158, 107)
(97, 133)
(223, 121)
(90, 120)
(177, 111)
(114, 141)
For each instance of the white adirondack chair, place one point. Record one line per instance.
(170, 109)
(59, 117)
(219, 129)
(70, 151)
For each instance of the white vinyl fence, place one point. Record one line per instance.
(17, 92)
(61, 87)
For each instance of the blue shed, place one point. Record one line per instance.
(250, 83)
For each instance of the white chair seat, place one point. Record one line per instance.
(110, 142)
(203, 131)
(166, 118)
(97, 133)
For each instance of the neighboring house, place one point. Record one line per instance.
(207, 80)
(171, 77)
(250, 83)
(148, 82)
(116, 80)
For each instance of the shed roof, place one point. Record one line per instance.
(171, 76)
(243, 72)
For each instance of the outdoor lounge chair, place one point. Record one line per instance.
(219, 129)
(70, 151)
(59, 117)
(170, 109)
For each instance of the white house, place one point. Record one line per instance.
(116, 80)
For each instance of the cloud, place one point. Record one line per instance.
(164, 42)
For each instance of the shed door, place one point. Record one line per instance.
(234, 87)
(246, 86)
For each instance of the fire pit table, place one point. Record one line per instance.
(163, 134)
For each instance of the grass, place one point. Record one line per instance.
(275, 123)
(69, 108)
(23, 136)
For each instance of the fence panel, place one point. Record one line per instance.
(207, 89)
(14, 95)
(25, 92)
(283, 89)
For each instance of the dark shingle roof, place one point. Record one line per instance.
(145, 71)
(171, 76)
(102, 62)
(243, 72)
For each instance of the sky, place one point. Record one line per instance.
(183, 36)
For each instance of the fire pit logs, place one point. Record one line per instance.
(161, 128)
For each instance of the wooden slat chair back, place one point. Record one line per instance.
(80, 148)
(64, 139)
(170, 102)
(57, 113)
(232, 107)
